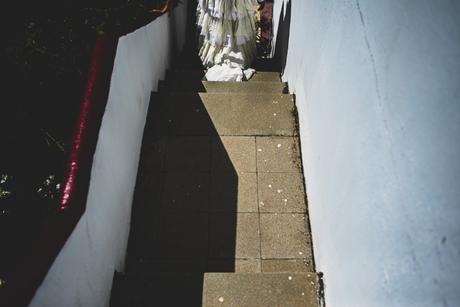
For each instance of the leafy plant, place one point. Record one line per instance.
(4, 188)
(50, 188)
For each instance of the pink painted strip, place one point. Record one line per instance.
(74, 161)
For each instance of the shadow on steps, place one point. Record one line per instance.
(184, 220)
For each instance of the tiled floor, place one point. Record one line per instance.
(226, 195)
(231, 203)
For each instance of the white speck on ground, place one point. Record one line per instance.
(303, 293)
(260, 149)
(279, 191)
(290, 277)
(221, 299)
(275, 101)
(270, 186)
(279, 145)
(274, 114)
(262, 203)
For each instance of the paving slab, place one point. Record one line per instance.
(225, 114)
(234, 154)
(283, 236)
(158, 289)
(143, 235)
(262, 289)
(287, 265)
(281, 192)
(278, 154)
(180, 236)
(148, 191)
(179, 114)
(188, 154)
(234, 265)
(261, 76)
(186, 192)
(251, 114)
(234, 235)
(233, 192)
(153, 150)
(147, 266)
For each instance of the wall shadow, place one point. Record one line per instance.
(184, 209)
(282, 37)
(184, 214)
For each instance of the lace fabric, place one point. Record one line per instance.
(227, 32)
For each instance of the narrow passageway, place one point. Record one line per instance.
(220, 212)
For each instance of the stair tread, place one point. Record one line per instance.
(186, 85)
(229, 114)
(212, 289)
(260, 289)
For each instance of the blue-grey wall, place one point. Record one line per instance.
(378, 95)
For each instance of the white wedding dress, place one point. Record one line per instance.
(227, 38)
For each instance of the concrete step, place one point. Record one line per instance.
(262, 289)
(259, 76)
(152, 265)
(266, 76)
(216, 289)
(196, 85)
(163, 289)
(184, 74)
(217, 114)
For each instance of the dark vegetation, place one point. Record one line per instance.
(44, 61)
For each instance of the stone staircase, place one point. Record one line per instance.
(220, 212)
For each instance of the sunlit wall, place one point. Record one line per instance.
(377, 86)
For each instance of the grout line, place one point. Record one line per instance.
(258, 203)
(208, 213)
(178, 135)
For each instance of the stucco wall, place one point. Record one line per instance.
(378, 95)
(82, 273)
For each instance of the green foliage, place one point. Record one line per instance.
(4, 188)
(50, 188)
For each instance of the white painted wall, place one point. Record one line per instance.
(82, 273)
(378, 94)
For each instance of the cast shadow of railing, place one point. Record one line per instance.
(184, 219)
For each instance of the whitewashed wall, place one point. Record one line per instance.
(378, 94)
(82, 273)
